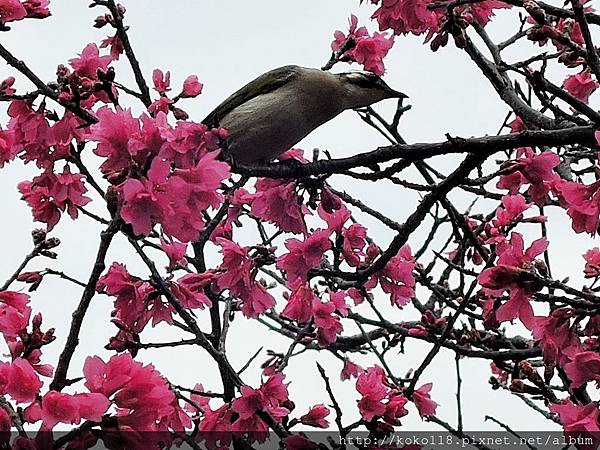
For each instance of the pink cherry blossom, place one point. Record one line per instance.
(516, 125)
(132, 298)
(592, 263)
(510, 273)
(579, 421)
(483, 12)
(532, 169)
(513, 207)
(394, 408)
(404, 16)
(423, 402)
(90, 61)
(6, 86)
(112, 132)
(162, 81)
(190, 290)
(48, 195)
(358, 46)
(581, 86)
(315, 416)
(23, 384)
(162, 105)
(370, 52)
(115, 44)
(583, 367)
(11, 10)
(175, 251)
(201, 403)
(14, 313)
(251, 401)
(582, 203)
(397, 278)
(350, 370)
(268, 398)
(299, 305)
(555, 335)
(32, 134)
(304, 255)
(354, 34)
(371, 386)
(276, 202)
(7, 147)
(355, 241)
(238, 275)
(333, 211)
(37, 9)
(57, 408)
(142, 395)
(191, 87)
(327, 323)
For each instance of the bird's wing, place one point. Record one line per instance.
(265, 83)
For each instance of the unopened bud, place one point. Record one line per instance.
(535, 11)
(38, 235)
(51, 243)
(30, 277)
(180, 114)
(100, 21)
(112, 200)
(541, 267)
(459, 39)
(48, 254)
(329, 201)
(441, 40)
(36, 322)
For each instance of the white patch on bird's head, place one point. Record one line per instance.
(365, 88)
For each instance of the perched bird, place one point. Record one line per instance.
(275, 111)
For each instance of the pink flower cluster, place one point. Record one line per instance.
(162, 84)
(243, 416)
(512, 273)
(14, 10)
(358, 46)
(305, 306)
(580, 422)
(137, 302)
(143, 399)
(20, 377)
(237, 274)
(381, 401)
(581, 86)
(558, 338)
(31, 136)
(49, 195)
(535, 170)
(184, 173)
(415, 16)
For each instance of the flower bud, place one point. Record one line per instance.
(535, 11)
(191, 87)
(51, 243)
(30, 277)
(180, 114)
(38, 235)
(100, 21)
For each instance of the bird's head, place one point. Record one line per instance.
(365, 88)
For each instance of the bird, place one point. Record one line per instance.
(275, 111)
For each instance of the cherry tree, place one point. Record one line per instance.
(295, 255)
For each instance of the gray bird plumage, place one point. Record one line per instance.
(279, 108)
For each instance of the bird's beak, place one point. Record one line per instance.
(397, 94)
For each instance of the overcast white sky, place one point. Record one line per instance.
(227, 44)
